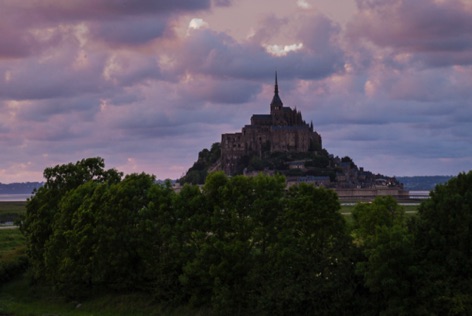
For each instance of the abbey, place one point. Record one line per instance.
(283, 130)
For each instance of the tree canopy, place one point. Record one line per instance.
(247, 245)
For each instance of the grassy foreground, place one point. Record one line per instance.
(11, 210)
(20, 299)
(12, 244)
(346, 210)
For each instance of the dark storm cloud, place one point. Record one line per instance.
(117, 22)
(55, 11)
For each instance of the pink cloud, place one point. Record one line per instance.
(15, 44)
(131, 31)
(125, 80)
(437, 32)
(52, 11)
(216, 54)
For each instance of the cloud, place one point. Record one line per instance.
(148, 84)
(314, 55)
(223, 3)
(115, 22)
(229, 91)
(435, 33)
(197, 23)
(279, 50)
(53, 12)
(130, 31)
(303, 4)
(15, 44)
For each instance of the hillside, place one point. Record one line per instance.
(317, 167)
(19, 187)
(422, 183)
(282, 142)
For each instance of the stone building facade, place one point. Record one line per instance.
(283, 130)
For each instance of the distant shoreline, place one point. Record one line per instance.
(20, 197)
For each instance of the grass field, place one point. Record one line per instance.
(17, 207)
(12, 246)
(409, 209)
(10, 211)
(346, 211)
(20, 299)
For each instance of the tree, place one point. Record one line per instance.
(119, 261)
(369, 217)
(217, 274)
(41, 209)
(444, 241)
(310, 261)
(387, 265)
(98, 237)
(390, 271)
(230, 251)
(70, 250)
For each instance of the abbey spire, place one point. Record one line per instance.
(276, 102)
(276, 89)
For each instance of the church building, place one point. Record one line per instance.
(283, 130)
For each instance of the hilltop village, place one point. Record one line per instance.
(283, 142)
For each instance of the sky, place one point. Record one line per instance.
(147, 84)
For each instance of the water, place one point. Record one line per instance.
(14, 197)
(421, 195)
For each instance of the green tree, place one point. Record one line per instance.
(390, 272)
(118, 261)
(310, 265)
(197, 283)
(98, 240)
(41, 209)
(268, 205)
(213, 189)
(444, 241)
(158, 245)
(70, 250)
(387, 265)
(181, 242)
(217, 274)
(229, 252)
(369, 217)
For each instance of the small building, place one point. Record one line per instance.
(299, 164)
